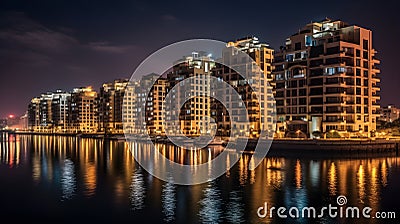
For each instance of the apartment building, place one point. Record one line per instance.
(60, 110)
(254, 85)
(327, 79)
(83, 110)
(49, 112)
(110, 102)
(155, 107)
(34, 114)
(189, 86)
(130, 107)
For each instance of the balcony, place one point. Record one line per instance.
(333, 112)
(332, 93)
(334, 102)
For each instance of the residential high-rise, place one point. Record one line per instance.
(83, 110)
(34, 114)
(60, 110)
(254, 86)
(49, 112)
(155, 111)
(146, 104)
(191, 96)
(326, 79)
(46, 115)
(130, 107)
(110, 102)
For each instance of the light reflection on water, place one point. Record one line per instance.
(235, 208)
(68, 181)
(104, 175)
(211, 211)
(169, 201)
(137, 190)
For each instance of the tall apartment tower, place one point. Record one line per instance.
(49, 112)
(193, 92)
(130, 108)
(147, 104)
(110, 102)
(83, 110)
(258, 99)
(326, 79)
(155, 107)
(46, 115)
(60, 110)
(34, 114)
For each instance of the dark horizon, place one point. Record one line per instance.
(63, 45)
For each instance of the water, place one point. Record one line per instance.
(68, 179)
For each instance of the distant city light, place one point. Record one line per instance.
(11, 116)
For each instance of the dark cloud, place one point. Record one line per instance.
(168, 17)
(45, 58)
(109, 48)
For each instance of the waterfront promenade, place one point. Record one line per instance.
(279, 146)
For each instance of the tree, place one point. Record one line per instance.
(333, 134)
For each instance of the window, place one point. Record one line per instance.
(308, 41)
(302, 92)
(289, 57)
(297, 46)
(330, 71)
(358, 62)
(358, 72)
(365, 44)
(358, 54)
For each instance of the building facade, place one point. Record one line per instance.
(189, 88)
(390, 113)
(34, 114)
(130, 108)
(326, 79)
(110, 102)
(255, 87)
(144, 104)
(83, 110)
(155, 107)
(60, 110)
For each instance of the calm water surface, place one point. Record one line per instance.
(68, 179)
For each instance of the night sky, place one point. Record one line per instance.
(49, 45)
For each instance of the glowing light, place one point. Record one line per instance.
(11, 116)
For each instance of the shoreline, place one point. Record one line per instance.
(279, 146)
